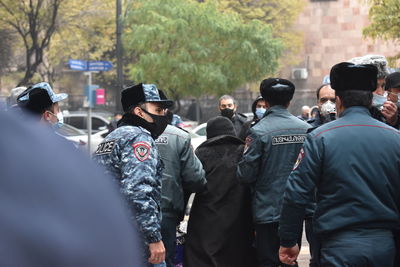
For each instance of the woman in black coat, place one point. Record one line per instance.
(220, 231)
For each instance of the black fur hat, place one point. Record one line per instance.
(348, 76)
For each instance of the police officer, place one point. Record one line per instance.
(40, 101)
(183, 174)
(269, 155)
(129, 153)
(353, 164)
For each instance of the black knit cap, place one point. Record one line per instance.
(219, 126)
(347, 76)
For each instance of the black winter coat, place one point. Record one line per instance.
(220, 231)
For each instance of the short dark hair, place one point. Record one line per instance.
(226, 97)
(352, 98)
(319, 88)
(277, 91)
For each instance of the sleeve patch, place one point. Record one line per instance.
(300, 157)
(105, 147)
(142, 150)
(248, 142)
(288, 139)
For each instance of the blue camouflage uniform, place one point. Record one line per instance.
(131, 156)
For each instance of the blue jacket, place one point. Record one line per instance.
(270, 153)
(353, 162)
(131, 156)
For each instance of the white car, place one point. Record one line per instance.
(78, 119)
(196, 140)
(80, 139)
(200, 129)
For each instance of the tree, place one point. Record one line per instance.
(52, 31)
(190, 48)
(88, 32)
(385, 21)
(35, 22)
(280, 14)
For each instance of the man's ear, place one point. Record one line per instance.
(46, 116)
(137, 111)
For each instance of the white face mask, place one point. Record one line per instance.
(328, 108)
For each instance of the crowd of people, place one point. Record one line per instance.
(334, 168)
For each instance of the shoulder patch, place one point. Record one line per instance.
(299, 159)
(248, 142)
(162, 140)
(288, 139)
(105, 147)
(142, 150)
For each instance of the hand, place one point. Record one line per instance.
(157, 252)
(389, 111)
(289, 255)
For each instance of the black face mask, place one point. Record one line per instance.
(227, 113)
(157, 127)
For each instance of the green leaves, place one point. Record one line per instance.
(385, 20)
(193, 49)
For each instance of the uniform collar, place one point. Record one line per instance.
(276, 109)
(355, 109)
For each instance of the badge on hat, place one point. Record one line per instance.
(142, 150)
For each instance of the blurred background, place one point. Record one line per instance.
(196, 51)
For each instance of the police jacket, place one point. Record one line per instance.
(183, 170)
(353, 162)
(270, 153)
(131, 156)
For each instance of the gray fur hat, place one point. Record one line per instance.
(378, 61)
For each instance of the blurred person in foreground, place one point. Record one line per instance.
(41, 102)
(258, 108)
(220, 231)
(270, 153)
(58, 209)
(356, 178)
(130, 154)
(183, 174)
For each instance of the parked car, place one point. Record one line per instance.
(196, 140)
(200, 130)
(80, 139)
(78, 119)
